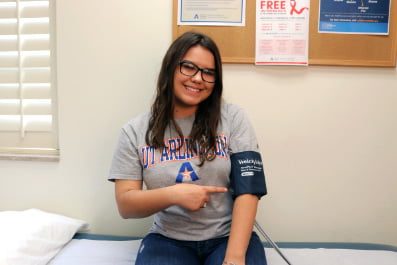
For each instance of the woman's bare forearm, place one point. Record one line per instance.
(244, 212)
(143, 203)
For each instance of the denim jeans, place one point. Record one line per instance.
(157, 249)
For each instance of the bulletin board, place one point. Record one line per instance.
(237, 44)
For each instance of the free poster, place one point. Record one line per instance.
(282, 32)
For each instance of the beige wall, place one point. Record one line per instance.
(327, 134)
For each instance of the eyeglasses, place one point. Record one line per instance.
(188, 68)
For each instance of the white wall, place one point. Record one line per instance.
(327, 134)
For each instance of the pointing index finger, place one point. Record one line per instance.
(214, 189)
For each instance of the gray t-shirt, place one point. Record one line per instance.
(135, 160)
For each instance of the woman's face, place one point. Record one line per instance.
(189, 91)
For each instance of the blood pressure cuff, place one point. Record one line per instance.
(247, 176)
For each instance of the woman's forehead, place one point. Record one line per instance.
(201, 56)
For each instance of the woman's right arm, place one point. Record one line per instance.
(134, 202)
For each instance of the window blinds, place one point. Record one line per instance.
(27, 120)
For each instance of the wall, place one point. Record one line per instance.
(327, 134)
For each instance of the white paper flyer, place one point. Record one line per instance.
(282, 32)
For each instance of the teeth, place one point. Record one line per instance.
(193, 89)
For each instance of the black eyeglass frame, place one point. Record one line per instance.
(197, 70)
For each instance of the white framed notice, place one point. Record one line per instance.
(211, 12)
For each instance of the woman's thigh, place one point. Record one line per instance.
(156, 249)
(255, 253)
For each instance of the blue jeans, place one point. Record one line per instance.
(157, 249)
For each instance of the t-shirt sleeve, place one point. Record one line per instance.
(126, 163)
(242, 136)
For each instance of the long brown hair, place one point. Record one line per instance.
(202, 138)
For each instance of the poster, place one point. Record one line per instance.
(282, 32)
(211, 12)
(354, 16)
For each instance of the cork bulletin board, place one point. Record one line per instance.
(237, 44)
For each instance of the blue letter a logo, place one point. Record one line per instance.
(186, 172)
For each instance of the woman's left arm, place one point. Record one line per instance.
(243, 218)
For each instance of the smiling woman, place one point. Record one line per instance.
(185, 151)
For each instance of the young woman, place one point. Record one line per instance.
(199, 160)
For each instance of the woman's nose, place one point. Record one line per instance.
(197, 77)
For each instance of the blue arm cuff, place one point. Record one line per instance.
(247, 176)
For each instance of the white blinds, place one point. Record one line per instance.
(27, 123)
